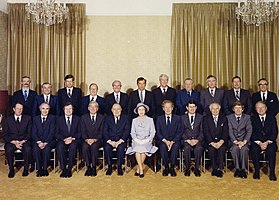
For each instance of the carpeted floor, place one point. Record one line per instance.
(152, 186)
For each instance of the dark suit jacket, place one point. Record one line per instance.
(213, 133)
(75, 99)
(53, 102)
(118, 131)
(173, 133)
(44, 133)
(229, 99)
(207, 99)
(86, 100)
(90, 130)
(13, 131)
(271, 102)
(28, 104)
(159, 97)
(134, 99)
(267, 132)
(110, 100)
(62, 128)
(182, 99)
(188, 132)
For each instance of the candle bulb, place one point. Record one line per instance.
(238, 3)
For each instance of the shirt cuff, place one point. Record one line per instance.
(257, 142)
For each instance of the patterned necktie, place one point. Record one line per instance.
(69, 93)
(168, 122)
(264, 97)
(262, 120)
(25, 95)
(44, 121)
(237, 95)
(212, 92)
(238, 119)
(68, 124)
(117, 98)
(141, 97)
(46, 99)
(93, 119)
(164, 91)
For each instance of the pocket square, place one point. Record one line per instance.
(222, 124)
(271, 101)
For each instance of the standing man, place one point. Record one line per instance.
(185, 95)
(192, 137)
(92, 136)
(240, 131)
(161, 93)
(46, 97)
(211, 94)
(68, 139)
(116, 133)
(169, 133)
(117, 97)
(43, 131)
(216, 132)
(93, 96)
(141, 95)
(263, 138)
(25, 96)
(17, 135)
(70, 94)
(237, 94)
(270, 98)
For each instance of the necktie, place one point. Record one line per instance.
(25, 95)
(117, 120)
(117, 98)
(17, 120)
(69, 93)
(46, 99)
(164, 91)
(238, 119)
(93, 120)
(264, 97)
(192, 121)
(168, 122)
(237, 95)
(92, 99)
(262, 120)
(68, 124)
(141, 97)
(215, 121)
(212, 92)
(44, 121)
(188, 93)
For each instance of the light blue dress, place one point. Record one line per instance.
(142, 133)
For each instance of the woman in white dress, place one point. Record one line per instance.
(142, 133)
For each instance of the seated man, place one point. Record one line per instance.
(240, 131)
(216, 131)
(43, 131)
(17, 132)
(169, 132)
(68, 137)
(263, 138)
(192, 137)
(92, 134)
(116, 133)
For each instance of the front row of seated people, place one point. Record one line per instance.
(192, 132)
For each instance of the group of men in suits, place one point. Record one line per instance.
(200, 124)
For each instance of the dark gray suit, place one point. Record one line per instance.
(207, 99)
(239, 132)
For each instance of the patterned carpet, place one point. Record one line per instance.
(152, 186)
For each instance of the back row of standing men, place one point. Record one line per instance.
(31, 101)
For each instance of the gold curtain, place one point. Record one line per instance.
(46, 53)
(208, 39)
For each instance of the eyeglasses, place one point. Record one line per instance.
(263, 84)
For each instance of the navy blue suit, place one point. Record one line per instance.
(53, 102)
(271, 102)
(44, 133)
(75, 99)
(110, 100)
(63, 133)
(85, 102)
(173, 132)
(159, 97)
(183, 98)
(17, 131)
(115, 131)
(28, 104)
(90, 130)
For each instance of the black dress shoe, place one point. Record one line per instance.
(88, 171)
(69, 173)
(32, 168)
(166, 172)
(214, 172)
(243, 173)
(219, 173)
(197, 173)
(273, 177)
(25, 173)
(141, 175)
(256, 175)
(63, 174)
(109, 171)
(39, 173)
(119, 171)
(237, 173)
(137, 174)
(11, 174)
(46, 172)
(187, 172)
(172, 172)
(94, 171)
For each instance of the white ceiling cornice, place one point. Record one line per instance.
(3, 6)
